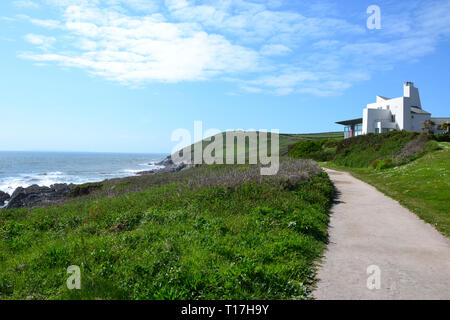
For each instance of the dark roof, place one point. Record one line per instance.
(441, 119)
(349, 122)
(418, 111)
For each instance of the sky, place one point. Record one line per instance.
(123, 75)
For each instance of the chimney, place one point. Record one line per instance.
(407, 89)
(411, 92)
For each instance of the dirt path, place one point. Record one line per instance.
(368, 228)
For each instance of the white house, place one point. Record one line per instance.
(386, 114)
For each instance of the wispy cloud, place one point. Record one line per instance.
(41, 41)
(262, 46)
(25, 4)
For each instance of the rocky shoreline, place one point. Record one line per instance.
(168, 166)
(40, 195)
(35, 195)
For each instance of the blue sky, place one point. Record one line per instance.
(122, 75)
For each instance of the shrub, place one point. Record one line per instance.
(381, 164)
(319, 150)
(442, 137)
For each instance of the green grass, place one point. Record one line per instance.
(423, 185)
(361, 151)
(392, 148)
(285, 141)
(214, 232)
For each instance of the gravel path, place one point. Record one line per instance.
(368, 228)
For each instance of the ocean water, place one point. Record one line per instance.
(22, 169)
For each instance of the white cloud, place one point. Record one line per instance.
(41, 41)
(25, 4)
(47, 23)
(275, 50)
(258, 44)
(131, 49)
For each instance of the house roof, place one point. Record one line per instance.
(418, 111)
(441, 119)
(384, 98)
(349, 122)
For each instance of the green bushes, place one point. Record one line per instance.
(380, 164)
(377, 151)
(319, 150)
(361, 151)
(442, 137)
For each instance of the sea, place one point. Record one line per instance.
(22, 169)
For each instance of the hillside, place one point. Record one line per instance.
(375, 150)
(212, 232)
(285, 140)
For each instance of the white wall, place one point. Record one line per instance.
(371, 116)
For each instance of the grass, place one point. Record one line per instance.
(285, 140)
(422, 185)
(361, 151)
(213, 232)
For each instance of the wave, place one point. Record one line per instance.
(9, 184)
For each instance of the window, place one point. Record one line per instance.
(358, 129)
(393, 118)
(347, 132)
(377, 130)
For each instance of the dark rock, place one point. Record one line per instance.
(169, 166)
(167, 162)
(35, 195)
(84, 189)
(4, 197)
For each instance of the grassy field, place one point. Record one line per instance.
(423, 185)
(213, 232)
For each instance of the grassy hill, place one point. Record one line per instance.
(376, 150)
(212, 232)
(285, 140)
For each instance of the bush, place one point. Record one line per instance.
(442, 137)
(319, 150)
(380, 164)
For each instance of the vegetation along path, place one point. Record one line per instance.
(370, 230)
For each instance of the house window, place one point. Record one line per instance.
(358, 129)
(393, 118)
(377, 130)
